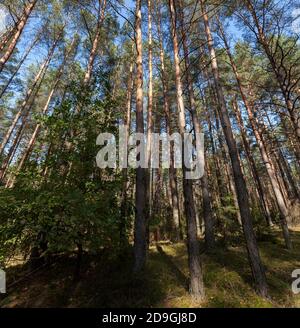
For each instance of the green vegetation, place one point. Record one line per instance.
(108, 282)
(77, 232)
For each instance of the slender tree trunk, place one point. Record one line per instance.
(19, 132)
(29, 93)
(140, 228)
(150, 85)
(36, 131)
(176, 235)
(195, 265)
(19, 29)
(27, 52)
(157, 198)
(251, 243)
(89, 69)
(207, 211)
(231, 188)
(149, 117)
(220, 188)
(86, 81)
(7, 36)
(127, 123)
(11, 153)
(285, 164)
(267, 160)
(283, 81)
(252, 164)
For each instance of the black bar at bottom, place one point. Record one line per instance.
(92, 318)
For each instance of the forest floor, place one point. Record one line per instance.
(107, 280)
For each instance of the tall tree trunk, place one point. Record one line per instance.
(251, 243)
(207, 211)
(283, 161)
(86, 81)
(19, 29)
(140, 228)
(127, 123)
(149, 117)
(150, 84)
(266, 159)
(20, 131)
(253, 168)
(176, 235)
(90, 65)
(36, 131)
(220, 188)
(231, 188)
(195, 265)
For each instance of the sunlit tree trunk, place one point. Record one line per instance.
(19, 29)
(90, 65)
(150, 83)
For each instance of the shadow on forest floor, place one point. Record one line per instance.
(182, 279)
(107, 281)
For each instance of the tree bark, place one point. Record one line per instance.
(140, 228)
(253, 168)
(242, 194)
(90, 65)
(127, 123)
(149, 117)
(19, 133)
(19, 29)
(283, 161)
(266, 159)
(36, 131)
(194, 259)
(176, 235)
(207, 211)
(29, 93)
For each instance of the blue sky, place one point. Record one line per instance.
(39, 51)
(2, 19)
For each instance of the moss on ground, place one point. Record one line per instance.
(107, 281)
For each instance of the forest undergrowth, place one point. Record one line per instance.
(106, 281)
